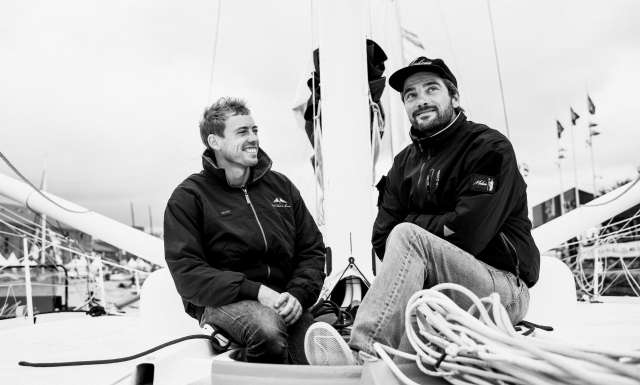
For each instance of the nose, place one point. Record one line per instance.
(253, 137)
(423, 99)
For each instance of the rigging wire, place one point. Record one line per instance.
(214, 51)
(495, 52)
(52, 230)
(79, 253)
(447, 33)
(15, 217)
(618, 232)
(37, 190)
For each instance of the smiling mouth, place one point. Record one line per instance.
(251, 150)
(424, 113)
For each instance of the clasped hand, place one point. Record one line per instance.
(287, 306)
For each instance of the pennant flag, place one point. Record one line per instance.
(559, 128)
(592, 124)
(412, 38)
(574, 116)
(591, 106)
(593, 132)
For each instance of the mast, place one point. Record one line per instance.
(348, 167)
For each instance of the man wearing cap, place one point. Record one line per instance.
(453, 209)
(244, 252)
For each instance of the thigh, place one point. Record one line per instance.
(446, 262)
(243, 319)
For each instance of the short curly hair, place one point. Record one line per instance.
(216, 115)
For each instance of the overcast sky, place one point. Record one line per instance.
(107, 94)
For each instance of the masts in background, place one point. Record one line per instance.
(43, 220)
(133, 215)
(150, 221)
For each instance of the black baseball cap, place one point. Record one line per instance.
(421, 64)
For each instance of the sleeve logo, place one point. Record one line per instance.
(483, 183)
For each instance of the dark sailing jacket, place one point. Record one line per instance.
(464, 186)
(222, 242)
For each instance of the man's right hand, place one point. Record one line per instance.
(268, 297)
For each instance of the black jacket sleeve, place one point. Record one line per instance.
(198, 282)
(309, 258)
(391, 210)
(480, 212)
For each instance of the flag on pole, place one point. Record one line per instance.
(592, 124)
(574, 116)
(559, 128)
(561, 152)
(590, 105)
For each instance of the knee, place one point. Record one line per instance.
(402, 232)
(409, 235)
(268, 343)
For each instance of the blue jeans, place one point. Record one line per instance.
(415, 259)
(261, 331)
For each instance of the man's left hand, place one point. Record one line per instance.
(289, 308)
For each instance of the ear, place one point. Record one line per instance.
(455, 101)
(213, 141)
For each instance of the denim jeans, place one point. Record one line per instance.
(261, 331)
(415, 259)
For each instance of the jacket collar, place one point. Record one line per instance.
(210, 166)
(424, 143)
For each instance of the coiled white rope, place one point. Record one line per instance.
(469, 349)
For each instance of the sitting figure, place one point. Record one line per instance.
(245, 254)
(453, 209)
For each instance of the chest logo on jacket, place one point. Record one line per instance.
(280, 203)
(432, 180)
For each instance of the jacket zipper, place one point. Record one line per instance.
(255, 215)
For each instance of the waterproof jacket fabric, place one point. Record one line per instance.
(222, 242)
(463, 185)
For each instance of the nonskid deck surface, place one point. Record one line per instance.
(77, 339)
(612, 323)
(71, 337)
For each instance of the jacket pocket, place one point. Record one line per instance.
(513, 253)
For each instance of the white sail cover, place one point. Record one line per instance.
(98, 226)
(565, 227)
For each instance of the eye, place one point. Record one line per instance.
(409, 95)
(432, 89)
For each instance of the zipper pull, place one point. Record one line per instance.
(246, 195)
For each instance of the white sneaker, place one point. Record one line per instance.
(323, 345)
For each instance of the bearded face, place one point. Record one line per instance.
(428, 103)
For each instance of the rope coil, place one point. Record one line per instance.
(480, 346)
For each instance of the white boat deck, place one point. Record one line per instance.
(74, 336)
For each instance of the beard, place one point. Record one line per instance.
(440, 121)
